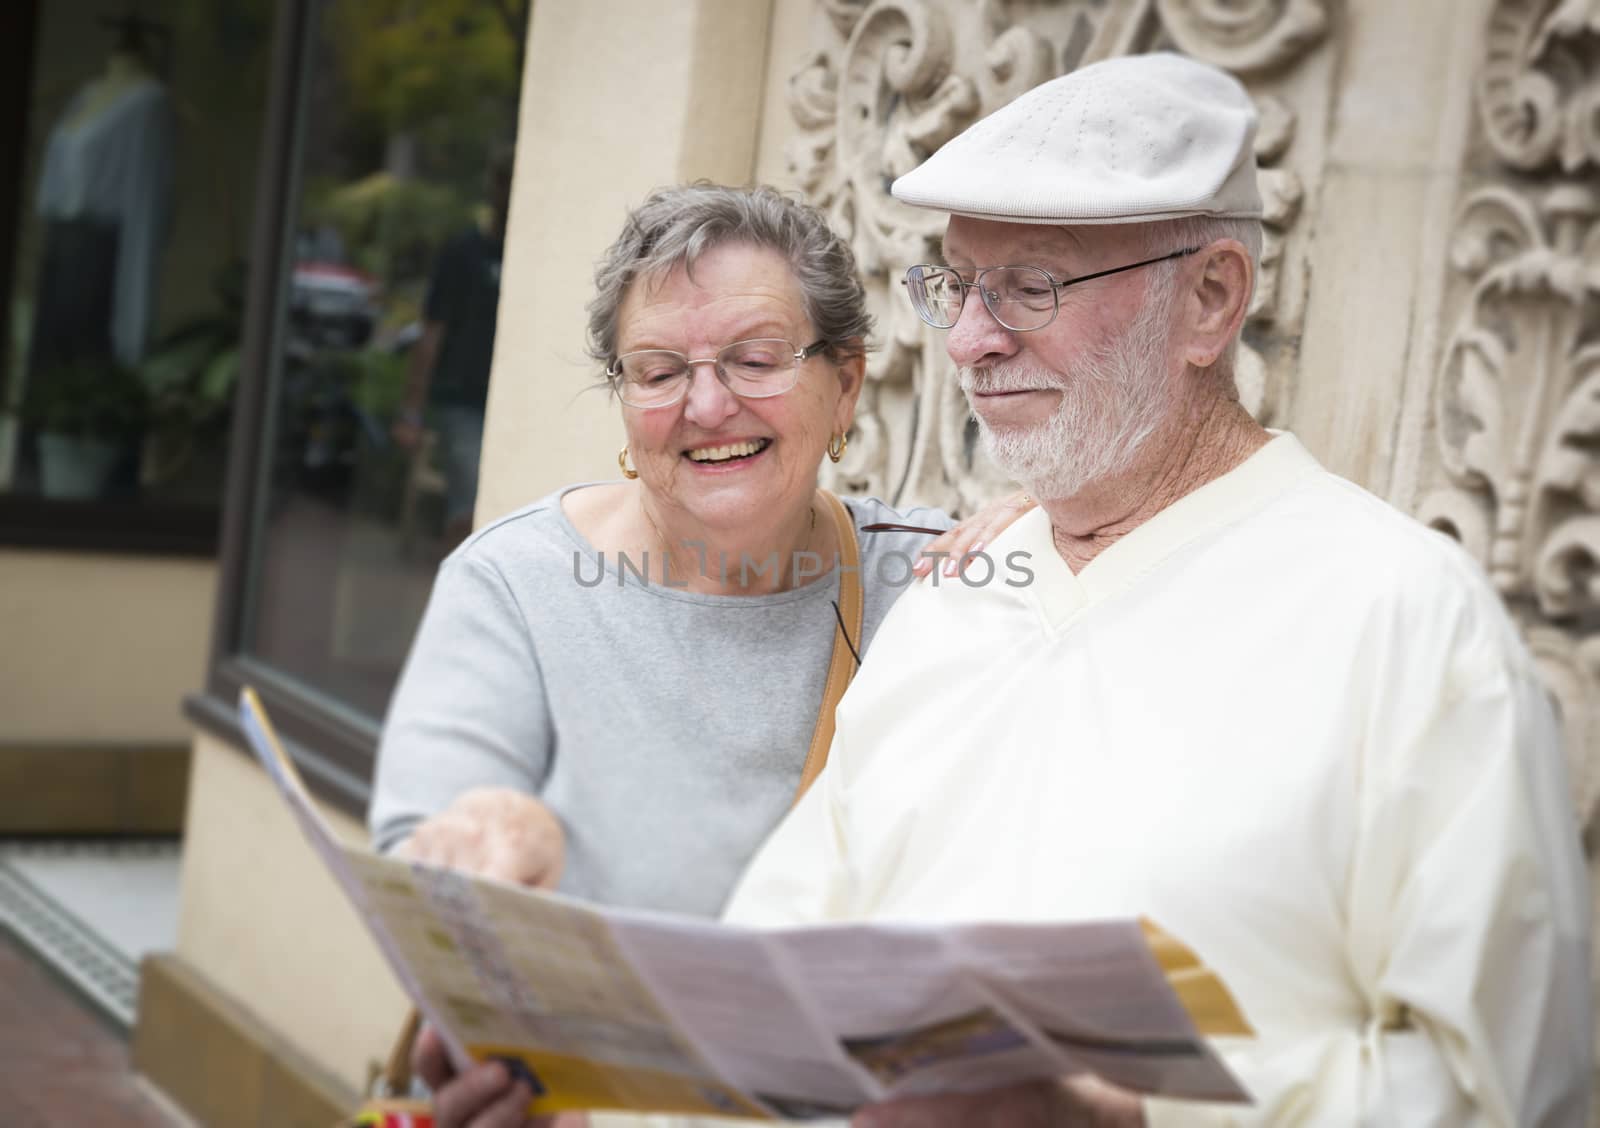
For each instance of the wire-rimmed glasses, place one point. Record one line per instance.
(1022, 298)
(754, 369)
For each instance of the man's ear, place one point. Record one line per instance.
(1219, 300)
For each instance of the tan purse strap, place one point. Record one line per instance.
(396, 1076)
(842, 665)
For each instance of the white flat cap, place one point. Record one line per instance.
(1128, 140)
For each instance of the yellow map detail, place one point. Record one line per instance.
(574, 1083)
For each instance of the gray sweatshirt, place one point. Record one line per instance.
(665, 729)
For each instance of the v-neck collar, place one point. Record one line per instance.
(1060, 596)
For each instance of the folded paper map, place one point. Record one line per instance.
(601, 1008)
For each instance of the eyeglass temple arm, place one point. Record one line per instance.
(891, 527)
(1130, 266)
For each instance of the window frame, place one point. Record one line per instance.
(136, 528)
(333, 745)
(17, 46)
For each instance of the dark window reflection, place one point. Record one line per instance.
(405, 168)
(127, 292)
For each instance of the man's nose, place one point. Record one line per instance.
(977, 339)
(709, 402)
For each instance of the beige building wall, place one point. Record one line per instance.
(100, 649)
(262, 919)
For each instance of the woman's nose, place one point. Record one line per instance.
(709, 401)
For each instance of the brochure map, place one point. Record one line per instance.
(600, 1008)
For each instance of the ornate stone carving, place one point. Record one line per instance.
(1244, 35)
(1538, 92)
(1517, 394)
(1265, 356)
(1517, 415)
(894, 80)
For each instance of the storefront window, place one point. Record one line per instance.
(391, 270)
(125, 291)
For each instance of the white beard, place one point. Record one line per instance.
(1112, 401)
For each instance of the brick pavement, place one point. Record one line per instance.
(61, 1064)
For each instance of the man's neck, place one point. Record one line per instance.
(1197, 445)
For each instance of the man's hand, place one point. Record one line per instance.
(971, 535)
(493, 832)
(1077, 1102)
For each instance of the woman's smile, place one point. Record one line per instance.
(735, 454)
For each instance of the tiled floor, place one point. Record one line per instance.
(61, 1065)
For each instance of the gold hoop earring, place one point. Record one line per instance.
(628, 472)
(837, 445)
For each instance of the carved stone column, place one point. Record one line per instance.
(1516, 399)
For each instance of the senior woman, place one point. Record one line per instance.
(614, 689)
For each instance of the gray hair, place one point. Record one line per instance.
(1168, 235)
(675, 226)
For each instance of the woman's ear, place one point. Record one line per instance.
(852, 374)
(1219, 301)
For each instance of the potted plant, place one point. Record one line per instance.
(86, 413)
(189, 379)
(189, 376)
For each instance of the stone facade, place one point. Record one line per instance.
(1495, 436)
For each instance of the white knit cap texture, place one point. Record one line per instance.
(1131, 139)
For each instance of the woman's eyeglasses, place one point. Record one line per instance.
(756, 369)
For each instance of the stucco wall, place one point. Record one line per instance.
(100, 649)
(263, 920)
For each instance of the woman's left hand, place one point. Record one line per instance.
(971, 535)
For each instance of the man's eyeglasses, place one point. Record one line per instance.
(1021, 298)
(766, 366)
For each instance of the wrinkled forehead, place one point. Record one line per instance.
(986, 242)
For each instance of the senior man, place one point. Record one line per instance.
(1241, 696)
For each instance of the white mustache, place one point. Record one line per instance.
(988, 381)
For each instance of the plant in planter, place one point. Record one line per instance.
(87, 414)
(189, 378)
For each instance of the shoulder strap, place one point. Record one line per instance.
(394, 1079)
(842, 666)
